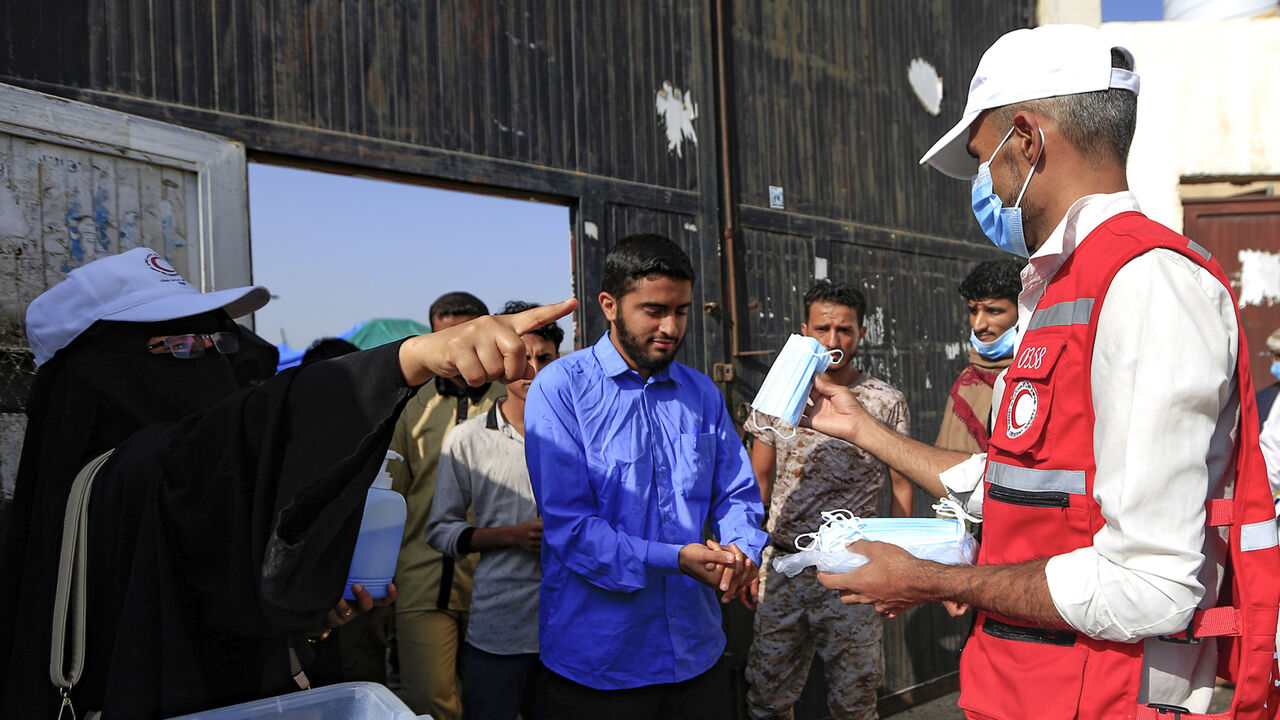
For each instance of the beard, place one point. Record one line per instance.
(650, 361)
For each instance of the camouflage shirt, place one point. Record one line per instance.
(815, 472)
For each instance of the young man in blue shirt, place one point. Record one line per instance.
(631, 454)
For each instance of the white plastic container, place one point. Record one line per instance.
(345, 701)
(373, 564)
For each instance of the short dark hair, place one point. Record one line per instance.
(456, 303)
(550, 331)
(326, 348)
(641, 256)
(999, 279)
(1100, 124)
(838, 293)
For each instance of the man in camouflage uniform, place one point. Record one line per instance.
(802, 472)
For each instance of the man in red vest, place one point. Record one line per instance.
(1125, 436)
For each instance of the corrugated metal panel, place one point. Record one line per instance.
(822, 108)
(559, 84)
(778, 268)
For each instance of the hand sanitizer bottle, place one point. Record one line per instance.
(373, 564)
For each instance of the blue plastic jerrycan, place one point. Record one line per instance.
(373, 564)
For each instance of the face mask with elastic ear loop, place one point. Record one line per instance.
(1002, 225)
(785, 389)
(942, 539)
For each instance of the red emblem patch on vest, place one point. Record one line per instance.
(1022, 409)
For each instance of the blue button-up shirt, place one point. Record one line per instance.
(626, 472)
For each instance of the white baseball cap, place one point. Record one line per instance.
(135, 286)
(1030, 64)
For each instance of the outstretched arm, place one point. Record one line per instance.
(894, 580)
(836, 412)
(487, 348)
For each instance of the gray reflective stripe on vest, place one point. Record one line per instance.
(1199, 250)
(1031, 480)
(1074, 312)
(1258, 536)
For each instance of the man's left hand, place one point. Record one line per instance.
(889, 580)
(736, 578)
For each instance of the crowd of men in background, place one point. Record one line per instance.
(465, 635)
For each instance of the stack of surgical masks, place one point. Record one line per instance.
(942, 539)
(786, 388)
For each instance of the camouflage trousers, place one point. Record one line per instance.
(797, 616)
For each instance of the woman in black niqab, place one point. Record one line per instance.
(222, 526)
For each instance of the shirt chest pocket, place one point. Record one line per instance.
(1028, 395)
(695, 464)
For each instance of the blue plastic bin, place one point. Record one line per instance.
(346, 701)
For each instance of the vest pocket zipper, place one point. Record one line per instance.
(1029, 499)
(1005, 631)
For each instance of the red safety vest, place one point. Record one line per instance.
(1039, 503)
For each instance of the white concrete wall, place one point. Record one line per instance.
(1209, 105)
(1076, 12)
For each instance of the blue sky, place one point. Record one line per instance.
(338, 250)
(1131, 10)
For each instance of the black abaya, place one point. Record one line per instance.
(213, 541)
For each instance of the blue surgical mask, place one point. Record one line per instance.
(1002, 225)
(786, 388)
(998, 348)
(1275, 369)
(940, 539)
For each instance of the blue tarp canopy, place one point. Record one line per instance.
(364, 335)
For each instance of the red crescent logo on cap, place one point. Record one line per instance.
(157, 263)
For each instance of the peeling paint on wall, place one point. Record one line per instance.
(953, 350)
(505, 129)
(1259, 278)
(591, 229)
(875, 328)
(819, 268)
(677, 112)
(12, 222)
(926, 84)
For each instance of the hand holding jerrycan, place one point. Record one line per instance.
(373, 564)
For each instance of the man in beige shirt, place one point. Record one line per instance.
(435, 589)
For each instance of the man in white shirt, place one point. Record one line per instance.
(1095, 549)
(484, 503)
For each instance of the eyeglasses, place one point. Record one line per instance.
(193, 346)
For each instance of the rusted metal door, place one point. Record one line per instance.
(1244, 235)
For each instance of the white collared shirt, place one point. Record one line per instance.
(1166, 416)
(1270, 441)
(483, 482)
